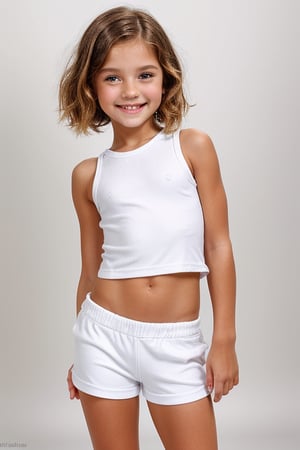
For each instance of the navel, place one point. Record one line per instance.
(150, 283)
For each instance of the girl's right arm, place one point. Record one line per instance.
(91, 236)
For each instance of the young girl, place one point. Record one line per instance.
(153, 221)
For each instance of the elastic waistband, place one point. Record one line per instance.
(136, 328)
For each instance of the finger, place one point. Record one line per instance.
(77, 396)
(74, 394)
(218, 391)
(230, 386)
(69, 374)
(209, 380)
(236, 380)
(73, 391)
(70, 381)
(226, 388)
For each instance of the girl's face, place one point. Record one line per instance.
(129, 85)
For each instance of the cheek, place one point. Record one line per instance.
(105, 96)
(155, 92)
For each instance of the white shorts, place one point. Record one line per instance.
(116, 357)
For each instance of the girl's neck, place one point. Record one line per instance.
(130, 139)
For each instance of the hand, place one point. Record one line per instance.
(222, 372)
(72, 389)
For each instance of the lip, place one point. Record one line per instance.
(131, 108)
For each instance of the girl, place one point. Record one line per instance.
(153, 221)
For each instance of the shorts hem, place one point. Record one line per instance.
(103, 393)
(177, 399)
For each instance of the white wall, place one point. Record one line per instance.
(242, 69)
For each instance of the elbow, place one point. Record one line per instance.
(88, 279)
(219, 255)
(218, 246)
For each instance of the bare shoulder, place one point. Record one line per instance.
(83, 176)
(198, 150)
(85, 169)
(196, 143)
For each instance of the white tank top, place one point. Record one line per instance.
(150, 211)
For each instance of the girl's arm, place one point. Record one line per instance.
(91, 236)
(222, 366)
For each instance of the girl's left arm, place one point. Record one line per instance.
(221, 366)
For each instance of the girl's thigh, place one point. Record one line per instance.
(189, 426)
(112, 424)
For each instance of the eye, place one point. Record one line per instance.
(112, 79)
(146, 75)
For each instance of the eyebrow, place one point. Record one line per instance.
(139, 69)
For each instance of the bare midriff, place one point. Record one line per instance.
(162, 298)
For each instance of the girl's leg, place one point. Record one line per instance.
(190, 426)
(113, 424)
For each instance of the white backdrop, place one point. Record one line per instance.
(241, 59)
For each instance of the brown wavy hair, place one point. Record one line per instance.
(78, 104)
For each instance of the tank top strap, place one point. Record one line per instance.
(97, 180)
(180, 157)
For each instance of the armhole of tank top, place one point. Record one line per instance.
(181, 159)
(96, 181)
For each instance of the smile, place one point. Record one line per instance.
(131, 108)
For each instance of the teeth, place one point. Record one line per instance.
(131, 108)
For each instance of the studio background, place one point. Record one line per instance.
(241, 59)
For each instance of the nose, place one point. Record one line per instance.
(130, 90)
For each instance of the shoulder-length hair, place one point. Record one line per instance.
(78, 103)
